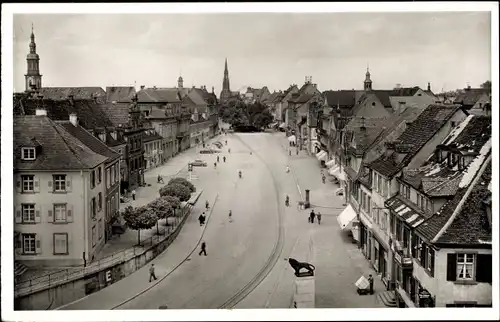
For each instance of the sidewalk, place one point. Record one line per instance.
(338, 261)
(116, 294)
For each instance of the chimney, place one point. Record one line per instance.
(154, 87)
(213, 90)
(142, 87)
(71, 99)
(40, 111)
(73, 119)
(398, 85)
(429, 86)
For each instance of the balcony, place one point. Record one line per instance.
(405, 261)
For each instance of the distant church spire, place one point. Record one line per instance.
(226, 90)
(368, 81)
(33, 79)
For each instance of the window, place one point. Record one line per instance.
(99, 201)
(93, 207)
(108, 178)
(29, 243)
(99, 175)
(28, 213)
(28, 154)
(60, 243)
(405, 191)
(112, 178)
(93, 236)
(60, 213)
(430, 259)
(115, 169)
(100, 229)
(92, 179)
(59, 182)
(28, 183)
(465, 266)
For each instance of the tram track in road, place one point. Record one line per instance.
(160, 280)
(277, 248)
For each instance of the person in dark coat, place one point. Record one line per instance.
(217, 158)
(370, 280)
(152, 272)
(201, 219)
(311, 216)
(224, 158)
(203, 249)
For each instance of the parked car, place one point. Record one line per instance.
(198, 163)
(209, 151)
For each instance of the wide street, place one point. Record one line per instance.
(246, 265)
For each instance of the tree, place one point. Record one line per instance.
(140, 218)
(176, 190)
(486, 85)
(162, 209)
(183, 182)
(174, 202)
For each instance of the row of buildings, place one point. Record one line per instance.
(79, 149)
(415, 172)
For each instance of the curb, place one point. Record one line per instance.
(177, 266)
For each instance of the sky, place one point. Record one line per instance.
(449, 50)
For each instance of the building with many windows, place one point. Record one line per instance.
(59, 194)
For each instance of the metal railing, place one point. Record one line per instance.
(60, 277)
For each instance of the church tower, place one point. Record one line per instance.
(368, 81)
(33, 79)
(180, 82)
(226, 91)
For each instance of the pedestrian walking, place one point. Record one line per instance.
(224, 159)
(289, 152)
(319, 218)
(217, 158)
(215, 165)
(152, 272)
(370, 280)
(203, 249)
(207, 205)
(297, 152)
(133, 194)
(311, 216)
(287, 201)
(323, 178)
(229, 150)
(230, 216)
(201, 219)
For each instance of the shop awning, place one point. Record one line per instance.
(330, 163)
(322, 156)
(346, 217)
(292, 138)
(337, 173)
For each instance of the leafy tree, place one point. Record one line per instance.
(174, 202)
(486, 85)
(162, 209)
(183, 182)
(176, 190)
(140, 218)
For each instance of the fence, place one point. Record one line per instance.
(63, 276)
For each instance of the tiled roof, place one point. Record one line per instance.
(383, 96)
(62, 93)
(414, 138)
(120, 94)
(158, 95)
(59, 150)
(117, 113)
(470, 226)
(196, 97)
(407, 211)
(89, 140)
(470, 96)
(88, 112)
(438, 179)
(148, 137)
(302, 98)
(342, 98)
(404, 91)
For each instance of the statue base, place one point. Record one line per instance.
(304, 293)
(304, 274)
(307, 205)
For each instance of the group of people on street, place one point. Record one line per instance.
(313, 215)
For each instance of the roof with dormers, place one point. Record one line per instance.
(63, 93)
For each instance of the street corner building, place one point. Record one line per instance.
(66, 191)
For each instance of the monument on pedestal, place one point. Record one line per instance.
(304, 291)
(307, 204)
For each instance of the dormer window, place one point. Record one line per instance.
(28, 154)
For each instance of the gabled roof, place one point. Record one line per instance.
(363, 138)
(62, 93)
(89, 112)
(404, 91)
(384, 97)
(342, 98)
(158, 95)
(117, 113)
(196, 95)
(414, 138)
(437, 179)
(470, 226)
(89, 140)
(470, 96)
(120, 94)
(303, 98)
(59, 150)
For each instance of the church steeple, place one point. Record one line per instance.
(33, 78)
(226, 90)
(368, 81)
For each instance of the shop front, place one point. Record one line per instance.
(404, 281)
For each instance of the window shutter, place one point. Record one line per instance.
(483, 268)
(413, 245)
(38, 217)
(50, 186)
(68, 183)
(18, 214)
(18, 246)
(451, 267)
(50, 217)
(69, 213)
(18, 184)
(423, 259)
(38, 244)
(433, 254)
(36, 184)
